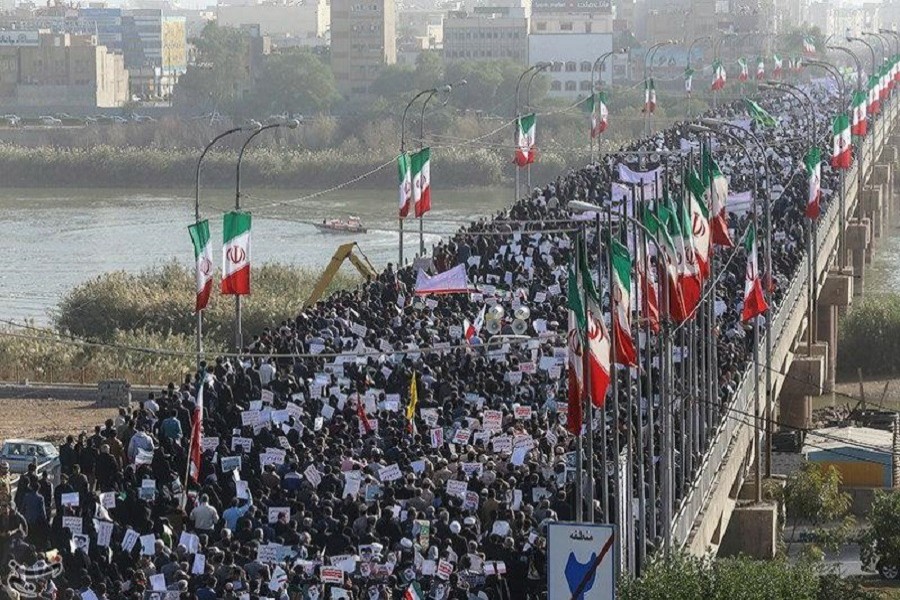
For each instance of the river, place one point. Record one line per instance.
(52, 240)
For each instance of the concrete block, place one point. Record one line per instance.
(752, 531)
(857, 235)
(114, 392)
(882, 173)
(870, 199)
(795, 411)
(807, 373)
(837, 291)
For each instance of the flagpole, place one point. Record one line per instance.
(640, 299)
(614, 381)
(629, 409)
(649, 359)
(585, 349)
(588, 405)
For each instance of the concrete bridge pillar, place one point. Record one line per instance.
(872, 206)
(834, 299)
(883, 175)
(857, 238)
(805, 378)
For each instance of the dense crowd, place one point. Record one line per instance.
(313, 482)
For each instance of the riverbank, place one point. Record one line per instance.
(141, 168)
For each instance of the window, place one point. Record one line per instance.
(586, 66)
(555, 86)
(571, 86)
(557, 67)
(585, 86)
(571, 67)
(541, 26)
(565, 26)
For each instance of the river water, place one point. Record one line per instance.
(52, 240)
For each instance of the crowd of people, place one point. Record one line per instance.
(315, 484)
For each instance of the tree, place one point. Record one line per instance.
(395, 83)
(881, 543)
(295, 83)
(221, 73)
(813, 497)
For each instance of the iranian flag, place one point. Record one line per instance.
(883, 89)
(649, 97)
(760, 68)
(599, 114)
(841, 150)
(719, 76)
(648, 299)
(718, 196)
(471, 329)
(897, 69)
(236, 254)
(203, 259)
(413, 592)
(779, 64)
(421, 180)
(196, 446)
(874, 96)
(526, 147)
(754, 300)
(688, 80)
(698, 219)
(809, 45)
(621, 289)
(670, 261)
(404, 171)
(813, 165)
(689, 278)
(745, 72)
(859, 126)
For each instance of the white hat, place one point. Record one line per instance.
(455, 527)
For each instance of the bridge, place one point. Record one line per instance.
(713, 504)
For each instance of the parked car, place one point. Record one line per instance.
(142, 119)
(20, 453)
(10, 121)
(50, 121)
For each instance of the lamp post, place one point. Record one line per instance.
(290, 124)
(518, 116)
(598, 66)
(199, 341)
(716, 50)
(429, 92)
(541, 68)
(648, 65)
(446, 89)
(719, 124)
(690, 52)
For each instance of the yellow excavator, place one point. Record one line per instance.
(344, 252)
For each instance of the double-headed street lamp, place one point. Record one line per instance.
(598, 66)
(648, 68)
(206, 149)
(290, 124)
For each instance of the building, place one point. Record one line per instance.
(60, 72)
(287, 22)
(155, 49)
(363, 40)
(571, 16)
(574, 56)
(486, 34)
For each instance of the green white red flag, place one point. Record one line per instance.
(718, 196)
(760, 68)
(859, 126)
(754, 300)
(745, 71)
(719, 76)
(842, 147)
(599, 114)
(779, 66)
(621, 290)
(698, 219)
(236, 254)
(404, 172)
(203, 260)
(421, 181)
(813, 164)
(809, 45)
(649, 97)
(874, 96)
(688, 80)
(671, 261)
(413, 592)
(526, 147)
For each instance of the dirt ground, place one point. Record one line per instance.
(883, 393)
(49, 419)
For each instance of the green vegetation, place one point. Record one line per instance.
(880, 543)
(812, 497)
(125, 313)
(690, 578)
(870, 337)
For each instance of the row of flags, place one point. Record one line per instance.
(235, 257)
(687, 231)
(414, 172)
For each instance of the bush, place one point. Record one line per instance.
(870, 337)
(160, 301)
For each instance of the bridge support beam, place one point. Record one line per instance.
(883, 175)
(834, 299)
(858, 237)
(871, 205)
(805, 378)
(752, 531)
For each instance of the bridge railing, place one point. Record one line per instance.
(786, 322)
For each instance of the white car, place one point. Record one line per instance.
(20, 453)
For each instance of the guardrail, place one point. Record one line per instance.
(785, 325)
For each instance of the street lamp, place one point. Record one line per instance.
(719, 125)
(197, 220)
(688, 73)
(538, 67)
(648, 58)
(290, 124)
(598, 66)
